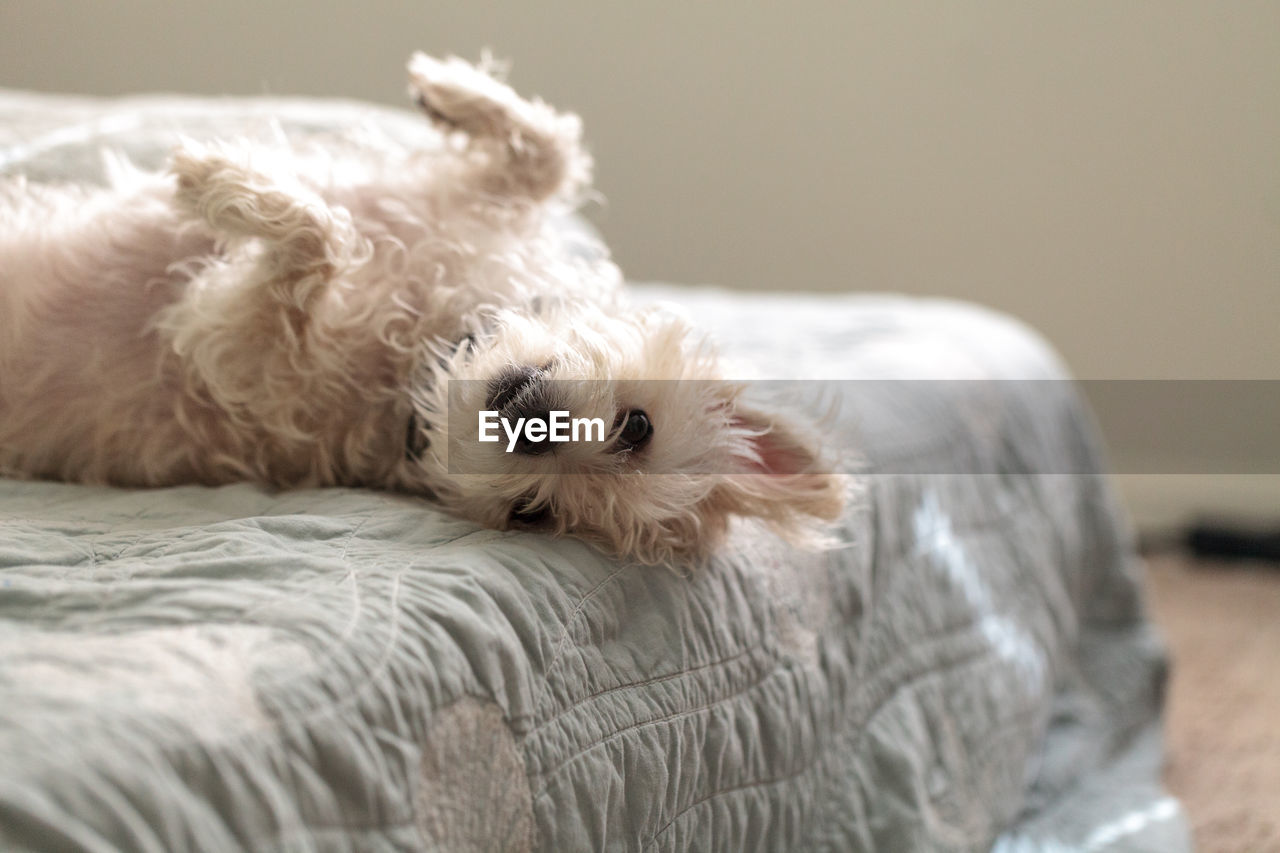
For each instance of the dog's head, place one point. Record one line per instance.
(615, 427)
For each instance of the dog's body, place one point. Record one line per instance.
(294, 319)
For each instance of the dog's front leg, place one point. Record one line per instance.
(305, 241)
(265, 374)
(530, 151)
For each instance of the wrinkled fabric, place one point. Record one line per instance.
(971, 669)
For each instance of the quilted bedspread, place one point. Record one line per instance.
(971, 669)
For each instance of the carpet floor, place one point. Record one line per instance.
(1222, 731)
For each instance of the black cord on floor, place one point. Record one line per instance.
(1215, 539)
(1225, 540)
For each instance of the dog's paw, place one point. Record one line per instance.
(455, 93)
(216, 183)
(198, 169)
(532, 150)
(220, 188)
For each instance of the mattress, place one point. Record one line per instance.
(971, 667)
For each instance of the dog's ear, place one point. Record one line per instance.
(781, 475)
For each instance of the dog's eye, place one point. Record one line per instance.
(637, 429)
(527, 516)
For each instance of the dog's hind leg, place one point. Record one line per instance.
(528, 150)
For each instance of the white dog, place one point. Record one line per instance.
(293, 319)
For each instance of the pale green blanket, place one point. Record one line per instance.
(221, 669)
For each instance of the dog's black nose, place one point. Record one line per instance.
(508, 385)
(515, 395)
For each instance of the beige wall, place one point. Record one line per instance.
(1108, 171)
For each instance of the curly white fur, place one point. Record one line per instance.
(284, 317)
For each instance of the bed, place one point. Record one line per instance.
(971, 668)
